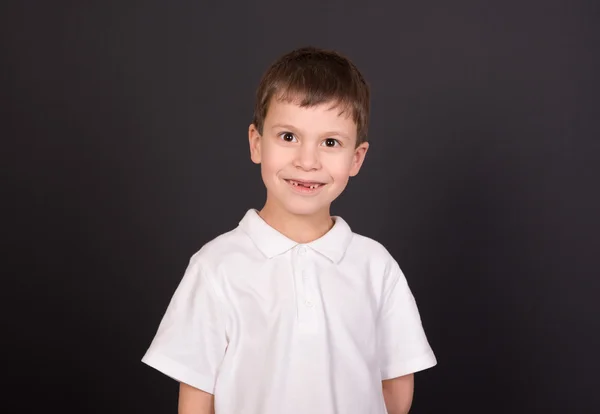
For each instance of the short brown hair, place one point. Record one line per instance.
(312, 76)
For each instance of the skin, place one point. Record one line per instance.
(315, 144)
(398, 394)
(195, 401)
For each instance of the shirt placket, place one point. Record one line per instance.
(307, 295)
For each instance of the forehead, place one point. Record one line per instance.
(325, 115)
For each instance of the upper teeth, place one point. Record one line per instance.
(312, 186)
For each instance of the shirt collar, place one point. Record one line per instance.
(272, 243)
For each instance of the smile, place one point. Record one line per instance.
(305, 187)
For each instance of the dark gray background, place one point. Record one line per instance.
(124, 135)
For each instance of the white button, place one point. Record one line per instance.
(309, 303)
(302, 251)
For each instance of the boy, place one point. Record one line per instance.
(291, 312)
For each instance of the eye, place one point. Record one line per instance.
(288, 137)
(331, 142)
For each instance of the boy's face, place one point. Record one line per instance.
(306, 155)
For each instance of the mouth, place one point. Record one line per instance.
(305, 187)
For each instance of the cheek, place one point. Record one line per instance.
(339, 167)
(273, 160)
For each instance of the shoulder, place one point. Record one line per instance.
(372, 254)
(229, 247)
(369, 248)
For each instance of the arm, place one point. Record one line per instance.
(398, 394)
(195, 401)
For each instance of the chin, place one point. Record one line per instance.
(305, 209)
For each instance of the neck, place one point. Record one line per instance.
(297, 227)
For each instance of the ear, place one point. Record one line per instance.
(358, 158)
(254, 141)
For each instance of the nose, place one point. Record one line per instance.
(307, 158)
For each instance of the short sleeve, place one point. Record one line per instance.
(190, 342)
(403, 345)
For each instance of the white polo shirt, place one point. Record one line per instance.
(271, 326)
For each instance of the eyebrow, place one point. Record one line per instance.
(293, 128)
(284, 126)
